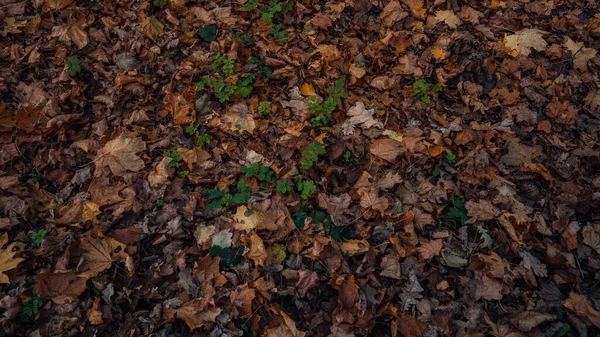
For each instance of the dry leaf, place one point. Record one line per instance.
(182, 110)
(307, 89)
(51, 5)
(257, 252)
(193, 156)
(429, 249)
(448, 17)
(411, 292)
(285, 327)
(416, 7)
(370, 200)
(8, 260)
(204, 233)
(355, 247)
(160, 173)
(591, 238)
(359, 115)
(527, 320)
(328, 52)
(386, 149)
(95, 315)
(392, 13)
(438, 53)
(523, 41)
(581, 54)
(59, 287)
(120, 155)
(247, 220)
(195, 313)
(99, 255)
(153, 27)
(307, 280)
(239, 119)
(80, 211)
(582, 307)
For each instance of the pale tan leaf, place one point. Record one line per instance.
(582, 307)
(429, 249)
(448, 17)
(247, 220)
(120, 155)
(8, 260)
(359, 115)
(523, 41)
(239, 119)
(386, 149)
(80, 211)
(193, 156)
(99, 255)
(582, 54)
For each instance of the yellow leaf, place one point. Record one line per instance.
(307, 89)
(438, 53)
(328, 52)
(8, 260)
(416, 7)
(254, 219)
(497, 4)
(276, 254)
(524, 40)
(80, 211)
(355, 247)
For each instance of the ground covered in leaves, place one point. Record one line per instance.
(178, 168)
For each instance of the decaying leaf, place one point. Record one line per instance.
(99, 255)
(582, 307)
(60, 287)
(248, 220)
(359, 115)
(411, 292)
(80, 211)
(523, 41)
(448, 17)
(8, 261)
(120, 155)
(386, 149)
(580, 53)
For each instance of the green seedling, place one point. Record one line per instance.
(263, 173)
(208, 33)
(322, 110)
(73, 65)
(269, 11)
(305, 187)
(264, 107)
(204, 139)
(421, 88)
(38, 237)
(175, 158)
(279, 34)
(310, 155)
(451, 158)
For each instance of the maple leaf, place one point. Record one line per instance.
(257, 251)
(448, 17)
(391, 13)
(181, 109)
(120, 155)
(239, 119)
(429, 249)
(411, 292)
(580, 53)
(8, 260)
(248, 220)
(531, 262)
(523, 41)
(80, 211)
(438, 53)
(59, 287)
(371, 201)
(99, 255)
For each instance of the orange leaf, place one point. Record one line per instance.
(307, 89)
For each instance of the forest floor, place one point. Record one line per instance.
(346, 168)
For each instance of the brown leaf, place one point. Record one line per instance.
(489, 289)
(328, 52)
(51, 5)
(448, 17)
(582, 307)
(120, 155)
(153, 27)
(239, 119)
(193, 156)
(347, 289)
(195, 313)
(247, 220)
(392, 13)
(283, 327)
(481, 210)
(514, 225)
(386, 149)
(383, 82)
(99, 255)
(527, 320)
(160, 173)
(80, 211)
(390, 266)
(59, 287)
(591, 238)
(257, 252)
(95, 315)
(370, 200)
(306, 281)
(355, 247)
(181, 109)
(430, 249)
(242, 298)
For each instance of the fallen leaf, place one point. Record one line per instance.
(411, 291)
(204, 233)
(283, 327)
(161, 173)
(371, 201)
(52, 5)
(328, 52)
(181, 109)
(195, 313)
(95, 315)
(591, 238)
(195, 155)
(239, 119)
(59, 287)
(247, 220)
(347, 289)
(242, 298)
(582, 307)
(256, 252)
(153, 27)
(307, 89)
(99, 255)
(359, 115)
(392, 13)
(120, 155)
(448, 17)
(80, 211)
(438, 53)
(531, 262)
(386, 149)
(307, 280)
(580, 53)
(527, 320)
(523, 41)
(390, 267)
(429, 249)
(416, 7)
(489, 289)
(355, 247)
(8, 260)
(275, 255)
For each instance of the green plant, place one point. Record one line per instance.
(450, 157)
(73, 65)
(348, 156)
(279, 34)
(310, 155)
(305, 187)
(239, 35)
(220, 199)
(337, 233)
(160, 3)
(436, 171)
(208, 33)
(191, 130)
(175, 157)
(183, 173)
(283, 187)
(421, 88)
(38, 237)
(230, 256)
(322, 110)
(263, 173)
(30, 309)
(271, 11)
(204, 138)
(159, 202)
(264, 107)
(261, 67)
(225, 67)
(454, 215)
